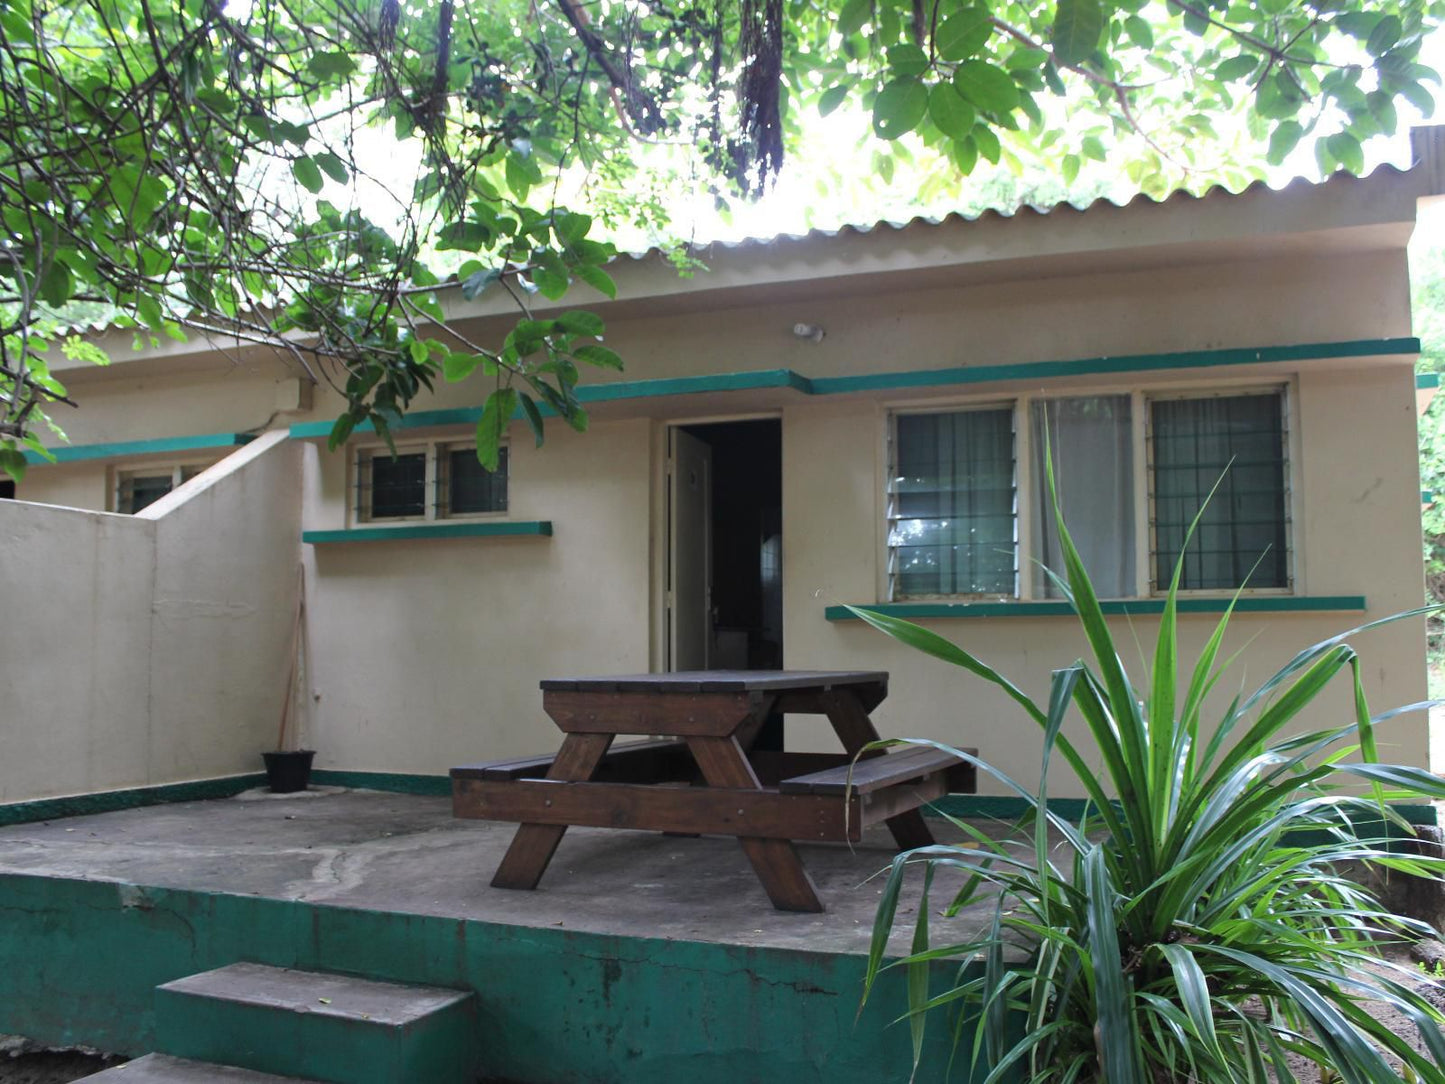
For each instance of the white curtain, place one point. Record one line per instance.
(1092, 445)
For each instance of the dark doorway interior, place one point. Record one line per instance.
(7, 489)
(747, 549)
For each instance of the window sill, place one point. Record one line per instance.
(1142, 607)
(537, 528)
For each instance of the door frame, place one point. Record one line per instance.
(658, 547)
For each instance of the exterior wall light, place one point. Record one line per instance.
(812, 332)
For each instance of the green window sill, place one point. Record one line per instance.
(1142, 607)
(536, 528)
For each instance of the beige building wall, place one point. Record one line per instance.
(148, 649)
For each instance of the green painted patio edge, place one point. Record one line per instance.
(919, 378)
(108, 801)
(73, 453)
(538, 528)
(396, 782)
(79, 961)
(1121, 607)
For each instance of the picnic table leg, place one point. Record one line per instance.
(534, 844)
(775, 861)
(855, 730)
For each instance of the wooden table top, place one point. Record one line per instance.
(718, 681)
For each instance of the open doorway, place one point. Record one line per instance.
(725, 523)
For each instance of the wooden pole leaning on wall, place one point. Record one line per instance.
(290, 691)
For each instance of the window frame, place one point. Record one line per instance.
(1027, 499)
(180, 471)
(435, 503)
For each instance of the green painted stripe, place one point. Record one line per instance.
(395, 782)
(1427, 380)
(1122, 607)
(76, 452)
(594, 393)
(1427, 496)
(920, 378)
(539, 527)
(108, 801)
(1127, 363)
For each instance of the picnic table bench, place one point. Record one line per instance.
(703, 778)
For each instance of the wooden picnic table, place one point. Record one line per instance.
(703, 777)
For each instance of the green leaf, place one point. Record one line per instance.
(57, 285)
(1385, 34)
(600, 356)
(899, 108)
(571, 227)
(13, 463)
(457, 366)
(581, 322)
(477, 282)
(1078, 25)
(987, 142)
(1283, 140)
(907, 59)
(964, 33)
(308, 174)
(1139, 31)
(1358, 24)
(336, 64)
(954, 117)
(854, 14)
(419, 352)
(1092, 147)
(964, 153)
(832, 98)
(492, 426)
(519, 180)
(149, 311)
(1236, 68)
(550, 281)
(989, 87)
(1070, 167)
(1347, 151)
(332, 166)
(597, 278)
(533, 416)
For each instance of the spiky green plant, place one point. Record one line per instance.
(1204, 920)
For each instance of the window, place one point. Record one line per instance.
(951, 504)
(1132, 471)
(137, 489)
(1238, 442)
(397, 487)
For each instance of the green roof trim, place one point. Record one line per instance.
(1142, 607)
(1427, 380)
(536, 527)
(918, 378)
(73, 453)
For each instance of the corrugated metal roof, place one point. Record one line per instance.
(1178, 195)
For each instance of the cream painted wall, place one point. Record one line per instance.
(1356, 537)
(428, 653)
(148, 649)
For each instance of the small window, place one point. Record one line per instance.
(397, 487)
(1241, 443)
(465, 487)
(138, 489)
(952, 522)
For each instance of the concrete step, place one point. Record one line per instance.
(330, 1028)
(164, 1069)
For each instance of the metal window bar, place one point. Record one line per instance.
(1254, 499)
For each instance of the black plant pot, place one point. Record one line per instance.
(288, 770)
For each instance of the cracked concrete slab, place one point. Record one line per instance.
(405, 853)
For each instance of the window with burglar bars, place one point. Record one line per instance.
(1240, 444)
(956, 526)
(429, 481)
(952, 504)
